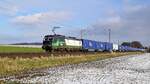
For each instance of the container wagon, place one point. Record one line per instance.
(108, 46)
(89, 45)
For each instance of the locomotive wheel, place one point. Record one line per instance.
(47, 51)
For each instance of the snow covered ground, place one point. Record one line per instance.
(32, 46)
(133, 69)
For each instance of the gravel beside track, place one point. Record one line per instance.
(132, 69)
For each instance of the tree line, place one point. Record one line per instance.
(136, 44)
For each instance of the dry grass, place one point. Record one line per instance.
(9, 66)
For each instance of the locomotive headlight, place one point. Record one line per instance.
(61, 44)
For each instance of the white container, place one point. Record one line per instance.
(115, 47)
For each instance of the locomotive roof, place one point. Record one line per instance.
(67, 37)
(54, 36)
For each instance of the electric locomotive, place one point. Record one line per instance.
(61, 43)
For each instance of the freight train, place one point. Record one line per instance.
(63, 43)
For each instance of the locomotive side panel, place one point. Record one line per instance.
(73, 43)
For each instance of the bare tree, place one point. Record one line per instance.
(136, 44)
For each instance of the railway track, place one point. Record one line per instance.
(42, 54)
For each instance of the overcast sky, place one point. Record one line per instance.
(30, 20)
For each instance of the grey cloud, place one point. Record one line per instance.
(128, 26)
(8, 9)
(35, 26)
(42, 18)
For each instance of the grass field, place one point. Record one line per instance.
(10, 49)
(9, 66)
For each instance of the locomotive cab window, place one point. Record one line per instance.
(47, 38)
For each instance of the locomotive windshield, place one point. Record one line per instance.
(47, 40)
(52, 41)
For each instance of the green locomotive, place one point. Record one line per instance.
(61, 43)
